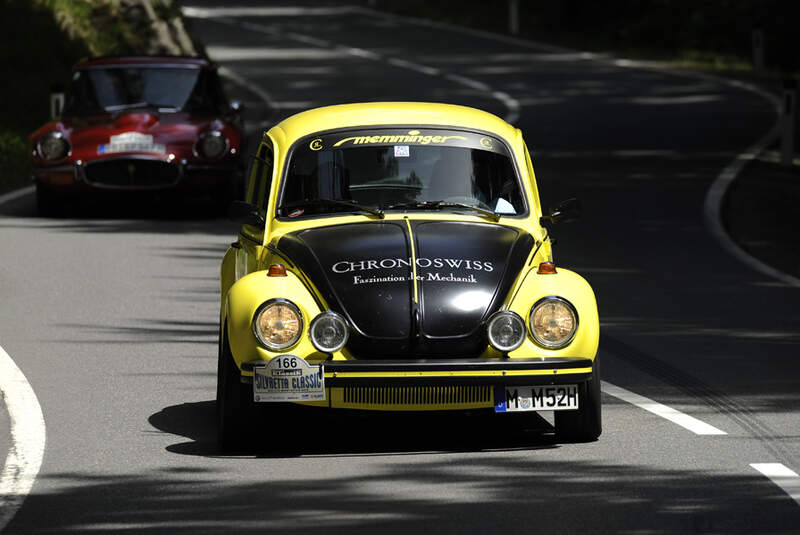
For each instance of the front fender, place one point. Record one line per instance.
(246, 295)
(572, 287)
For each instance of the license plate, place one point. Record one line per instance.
(288, 378)
(115, 148)
(535, 398)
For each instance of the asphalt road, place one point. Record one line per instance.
(113, 317)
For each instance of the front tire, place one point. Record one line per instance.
(234, 401)
(584, 424)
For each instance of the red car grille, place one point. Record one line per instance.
(132, 173)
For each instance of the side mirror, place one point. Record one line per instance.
(564, 212)
(246, 214)
(57, 99)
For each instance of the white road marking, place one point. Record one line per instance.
(784, 477)
(222, 53)
(713, 209)
(27, 439)
(719, 187)
(16, 194)
(277, 11)
(691, 423)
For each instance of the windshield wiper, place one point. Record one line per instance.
(435, 205)
(334, 202)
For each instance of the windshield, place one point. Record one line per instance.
(401, 169)
(112, 89)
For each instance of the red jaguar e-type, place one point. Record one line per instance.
(140, 123)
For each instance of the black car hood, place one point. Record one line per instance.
(364, 271)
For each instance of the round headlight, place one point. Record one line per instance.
(53, 146)
(553, 322)
(328, 332)
(213, 144)
(506, 330)
(278, 324)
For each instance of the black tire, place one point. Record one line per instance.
(234, 401)
(46, 202)
(586, 423)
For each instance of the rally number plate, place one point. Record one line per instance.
(536, 398)
(288, 378)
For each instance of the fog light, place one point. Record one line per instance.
(329, 332)
(506, 330)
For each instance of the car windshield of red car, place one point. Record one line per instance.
(401, 168)
(118, 88)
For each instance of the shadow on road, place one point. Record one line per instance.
(307, 431)
(480, 493)
(120, 218)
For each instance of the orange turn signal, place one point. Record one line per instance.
(547, 268)
(276, 270)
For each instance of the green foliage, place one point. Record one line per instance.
(42, 40)
(102, 25)
(35, 52)
(14, 161)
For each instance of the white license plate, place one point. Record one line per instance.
(115, 148)
(536, 398)
(288, 378)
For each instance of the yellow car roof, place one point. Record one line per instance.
(390, 113)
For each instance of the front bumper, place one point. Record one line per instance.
(430, 372)
(435, 385)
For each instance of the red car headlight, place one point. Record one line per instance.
(53, 146)
(212, 144)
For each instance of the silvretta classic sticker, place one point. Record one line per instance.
(288, 378)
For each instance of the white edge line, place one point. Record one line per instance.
(691, 423)
(715, 194)
(16, 194)
(786, 478)
(511, 104)
(712, 208)
(719, 186)
(28, 438)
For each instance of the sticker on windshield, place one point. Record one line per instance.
(401, 151)
(413, 136)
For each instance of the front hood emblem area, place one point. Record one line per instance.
(464, 270)
(365, 271)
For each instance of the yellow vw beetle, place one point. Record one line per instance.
(394, 257)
